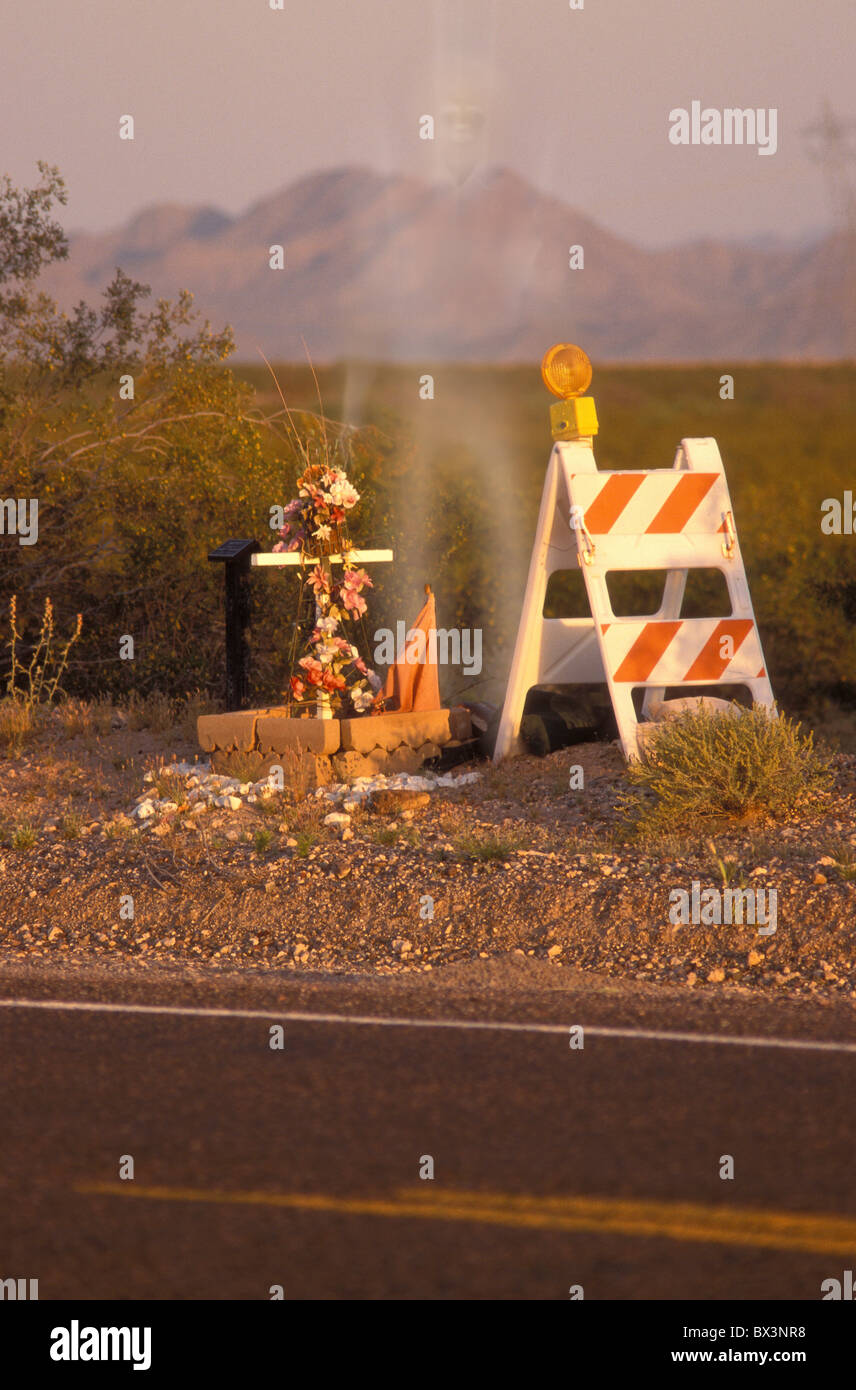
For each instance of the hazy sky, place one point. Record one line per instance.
(232, 100)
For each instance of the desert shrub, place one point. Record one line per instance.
(704, 765)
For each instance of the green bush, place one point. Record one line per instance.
(704, 766)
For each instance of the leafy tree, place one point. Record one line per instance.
(132, 492)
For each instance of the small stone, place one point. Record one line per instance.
(716, 976)
(755, 958)
(55, 933)
(554, 951)
(692, 978)
(399, 799)
(338, 820)
(820, 878)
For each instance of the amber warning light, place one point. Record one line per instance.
(567, 372)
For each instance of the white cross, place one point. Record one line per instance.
(323, 708)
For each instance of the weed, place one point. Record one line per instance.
(731, 871)
(713, 765)
(19, 724)
(483, 847)
(71, 826)
(156, 712)
(23, 836)
(39, 682)
(843, 859)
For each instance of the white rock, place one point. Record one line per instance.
(144, 810)
(338, 819)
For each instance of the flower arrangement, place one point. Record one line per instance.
(316, 525)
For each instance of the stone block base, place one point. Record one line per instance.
(313, 752)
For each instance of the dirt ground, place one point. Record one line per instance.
(516, 862)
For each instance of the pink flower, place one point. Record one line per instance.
(319, 581)
(354, 602)
(356, 580)
(313, 669)
(297, 687)
(332, 682)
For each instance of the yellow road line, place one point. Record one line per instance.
(779, 1230)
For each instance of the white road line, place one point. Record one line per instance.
(471, 1025)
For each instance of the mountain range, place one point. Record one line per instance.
(389, 266)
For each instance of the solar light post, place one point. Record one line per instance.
(235, 555)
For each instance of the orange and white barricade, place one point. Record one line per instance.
(660, 519)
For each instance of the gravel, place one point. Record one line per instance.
(406, 873)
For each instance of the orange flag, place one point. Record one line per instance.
(413, 684)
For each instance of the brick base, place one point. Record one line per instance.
(249, 743)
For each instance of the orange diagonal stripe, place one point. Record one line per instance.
(646, 651)
(611, 501)
(681, 502)
(710, 663)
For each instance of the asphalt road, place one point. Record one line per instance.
(300, 1167)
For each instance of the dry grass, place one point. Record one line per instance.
(156, 712)
(19, 725)
(85, 717)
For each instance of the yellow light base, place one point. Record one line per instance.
(574, 419)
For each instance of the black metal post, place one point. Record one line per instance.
(235, 555)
